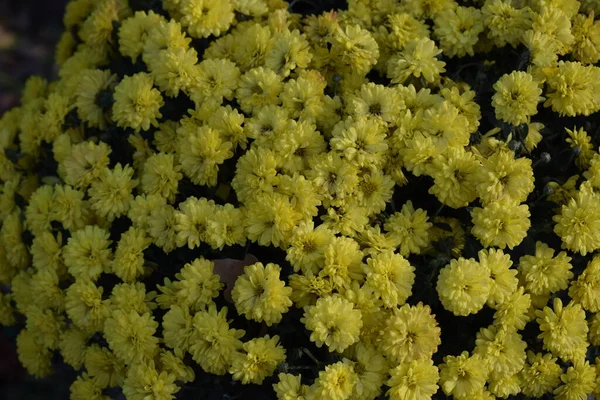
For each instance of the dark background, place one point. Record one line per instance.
(29, 30)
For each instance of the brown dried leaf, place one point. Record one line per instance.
(229, 269)
(7, 39)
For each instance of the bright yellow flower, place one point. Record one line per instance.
(258, 359)
(333, 321)
(260, 294)
(464, 286)
(564, 329)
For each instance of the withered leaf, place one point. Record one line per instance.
(229, 269)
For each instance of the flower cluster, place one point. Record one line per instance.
(400, 198)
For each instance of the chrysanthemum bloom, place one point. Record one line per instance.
(131, 336)
(165, 35)
(503, 351)
(354, 48)
(161, 176)
(333, 321)
(289, 387)
(132, 297)
(377, 102)
(178, 331)
(391, 277)
(214, 78)
(162, 224)
(504, 22)
(513, 312)
(144, 381)
(409, 229)
(415, 379)
(201, 151)
(540, 374)
(224, 228)
(128, 263)
(582, 145)
(418, 58)
(102, 365)
(543, 273)
(84, 163)
(39, 210)
(370, 367)
(197, 284)
(564, 330)
(578, 223)
(342, 264)
(260, 294)
(361, 139)
(11, 236)
(257, 359)
(306, 290)
(137, 103)
(46, 324)
(463, 375)
(203, 18)
(94, 84)
(214, 343)
(504, 386)
(586, 289)
(573, 89)
(259, 87)
(578, 382)
(270, 219)
(85, 387)
(458, 30)
(69, 208)
(464, 286)
(594, 327)
(174, 70)
(290, 50)
(111, 194)
(85, 307)
(87, 252)
(454, 173)
(555, 24)
(504, 177)
(134, 32)
(33, 355)
(586, 47)
(72, 345)
(504, 279)
(336, 382)
(192, 221)
(410, 333)
(333, 176)
(516, 98)
(501, 224)
(172, 362)
(307, 247)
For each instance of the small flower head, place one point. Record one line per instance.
(137, 104)
(333, 321)
(260, 295)
(464, 286)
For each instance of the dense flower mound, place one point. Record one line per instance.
(256, 199)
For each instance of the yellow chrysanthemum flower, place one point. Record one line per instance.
(564, 329)
(464, 286)
(137, 104)
(333, 321)
(259, 294)
(257, 359)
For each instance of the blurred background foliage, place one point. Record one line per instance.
(29, 30)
